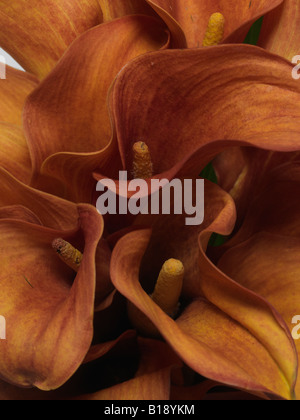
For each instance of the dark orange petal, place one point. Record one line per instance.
(52, 211)
(243, 172)
(269, 265)
(191, 17)
(199, 340)
(172, 238)
(58, 118)
(14, 153)
(280, 30)
(238, 346)
(270, 200)
(230, 167)
(14, 90)
(115, 9)
(36, 34)
(180, 102)
(49, 317)
(228, 296)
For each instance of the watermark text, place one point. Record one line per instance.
(2, 328)
(155, 197)
(295, 71)
(2, 67)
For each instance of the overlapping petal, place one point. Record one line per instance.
(37, 33)
(172, 238)
(53, 212)
(58, 118)
(263, 254)
(115, 9)
(75, 385)
(269, 265)
(189, 19)
(240, 170)
(198, 334)
(203, 94)
(49, 314)
(279, 33)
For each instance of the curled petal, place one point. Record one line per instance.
(190, 18)
(228, 296)
(280, 33)
(179, 102)
(268, 264)
(271, 202)
(49, 314)
(57, 117)
(36, 34)
(198, 340)
(52, 211)
(231, 341)
(172, 238)
(115, 9)
(244, 172)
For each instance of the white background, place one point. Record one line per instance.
(10, 61)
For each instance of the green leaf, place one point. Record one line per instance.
(209, 173)
(253, 34)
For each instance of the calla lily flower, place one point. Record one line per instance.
(88, 134)
(217, 122)
(188, 20)
(212, 125)
(214, 307)
(97, 82)
(48, 312)
(263, 254)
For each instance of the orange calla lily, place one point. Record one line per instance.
(220, 121)
(89, 128)
(74, 161)
(188, 20)
(46, 310)
(115, 9)
(199, 334)
(239, 169)
(263, 254)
